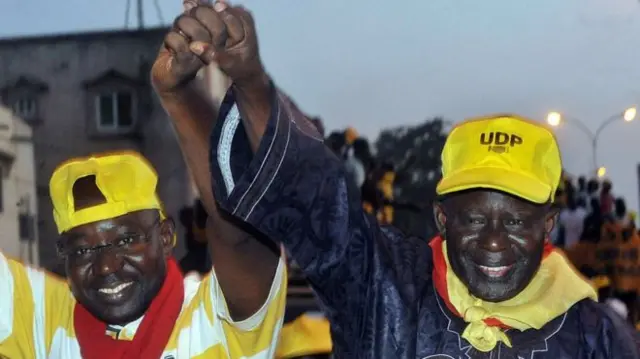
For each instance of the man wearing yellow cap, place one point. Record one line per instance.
(490, 286)
(126, 297)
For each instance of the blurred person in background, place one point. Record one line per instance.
(581, 190)
(583, 255)
(197, 258)
(633, 217)
(592, 193)
(607, 201)
(571, 219)
(341, 142)
(581, 203)
(556, 236)
(568, 188)
(355, 153)
(358, 161)
(622, 218)
(592, 230)
(385, 187)
(335, 141)
(377, 192)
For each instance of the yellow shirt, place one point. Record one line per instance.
(36, 319)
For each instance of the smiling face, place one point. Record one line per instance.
(116, 266)
(494, 241)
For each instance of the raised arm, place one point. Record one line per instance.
(296, 191)
(271, 169)
(238, 255)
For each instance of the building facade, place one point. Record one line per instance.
(18, 200)
(87, 93)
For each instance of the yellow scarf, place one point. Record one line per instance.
(554, 289)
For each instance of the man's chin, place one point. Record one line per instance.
(122, 315)
(494, 288)
(493, 293)
(118, 314)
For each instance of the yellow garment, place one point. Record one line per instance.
(553, 290)
(503, 152)
(367, 207)
(620, 254)
(307, 335)
(126, 179)
(37, 318)
(385, 185)
(601, 281)
(37, 308)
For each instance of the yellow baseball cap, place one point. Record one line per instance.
(502, 152)
(126, 179)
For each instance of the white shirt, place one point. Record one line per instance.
(573, 223)
(356, 170)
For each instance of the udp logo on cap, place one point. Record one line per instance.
(498, 141)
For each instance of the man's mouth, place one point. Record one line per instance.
(115, 293)
(115, 290)
(495, 272)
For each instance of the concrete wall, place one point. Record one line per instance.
(65, 122)
(18, 188)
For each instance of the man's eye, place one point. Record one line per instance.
(476, 221)
(82, 251)
(514, 222)
(127, 240)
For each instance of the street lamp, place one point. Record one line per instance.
(601, 172)
(555, 119)
(630, 114)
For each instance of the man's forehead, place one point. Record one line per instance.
(489, 198)
(130, 221)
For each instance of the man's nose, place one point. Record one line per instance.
(495, 240)
(107, 262)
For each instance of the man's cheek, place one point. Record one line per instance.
(522, 240)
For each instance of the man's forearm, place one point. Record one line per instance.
(237, 255)
(254, 102)
(193, 115)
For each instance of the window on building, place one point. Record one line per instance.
(26, 107)
(115, 111)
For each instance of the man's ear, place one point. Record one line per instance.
(439, 217)
(550, 222)
(167, 234)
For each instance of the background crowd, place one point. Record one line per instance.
(600, 236)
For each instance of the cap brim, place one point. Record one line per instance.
(515, 183)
